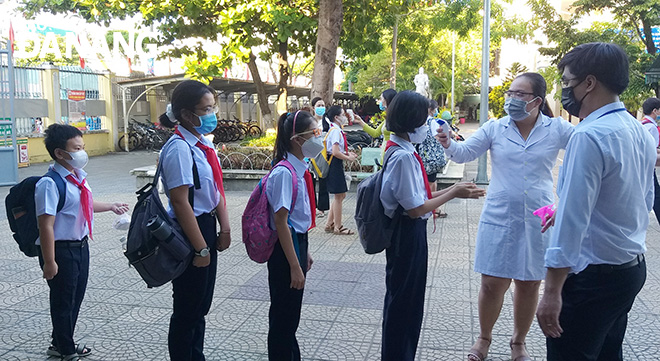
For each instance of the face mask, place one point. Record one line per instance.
(516, 108)
(435, 113)
(342, 121)
(382, 107)
(78, 159)
(569, 102)
(419, 134)
(319, 111)
(312, 147)
(208, 123)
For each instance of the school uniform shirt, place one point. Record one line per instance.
(605, 192)
(509, 239)
(403, 180)
(652, 127)
(279, 191)
(177, 171)
(70, 224)
(335, 136)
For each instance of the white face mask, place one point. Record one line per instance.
(312, 147)
(78, 159)
(419, 134)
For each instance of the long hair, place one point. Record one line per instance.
(302, 119)
(329, 116)
(186, 95)
(539, 88)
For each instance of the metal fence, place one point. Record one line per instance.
(77, 78)
(28, 82)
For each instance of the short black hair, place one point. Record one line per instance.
(388, 95)
(650, 104)
(433, 104)
(408, 111)
(314, 101)
(606, 61)
(186, 95)
(57, 135)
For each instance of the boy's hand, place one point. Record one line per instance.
(119, 208)
(223, 241)
(50, 270)
(199, 261)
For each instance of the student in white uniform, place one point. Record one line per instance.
(651, 109)
(523, 148)
(64, 235)
(337, 146)
(323, 197)
(297, 138)
(405, 185)
(192, 178)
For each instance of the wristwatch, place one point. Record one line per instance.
(203, 252)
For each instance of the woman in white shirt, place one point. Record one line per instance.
(523, 148)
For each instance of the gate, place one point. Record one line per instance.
(8, 146)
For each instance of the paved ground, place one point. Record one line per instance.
(123, 320)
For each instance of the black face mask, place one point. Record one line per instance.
(569, 102)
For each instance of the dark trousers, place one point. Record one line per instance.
(67, 290)
(656, 202)
(323, 197)
(193, 293)
(285, 304)
(594, 314)
(405, 281)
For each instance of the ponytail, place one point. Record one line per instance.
(329, 116)
(302, 119)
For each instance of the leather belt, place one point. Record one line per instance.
(72, 244)
(607, 268)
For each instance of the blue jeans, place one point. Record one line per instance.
(67, 290)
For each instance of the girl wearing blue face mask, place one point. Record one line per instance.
(385, 99)
(322, 197)
(523, 147)
(192, 178)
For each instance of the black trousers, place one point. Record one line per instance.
(405, 281)
(192, 293)
(323, 198)
(285, 304)
(594, 314)
(67, 290)
(656, 201)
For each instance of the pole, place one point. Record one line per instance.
(395, 36)
(123, 105)
(482, 169)
(453, 66)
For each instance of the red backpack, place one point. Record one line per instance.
(646, 121)
(259, 239)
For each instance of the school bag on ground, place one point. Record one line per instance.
(432, 153)
(259, 239)
(375, 229)
(22, 213)
(156, 245)
(320, 165)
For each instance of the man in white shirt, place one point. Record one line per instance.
(595, 258)
(651, 108)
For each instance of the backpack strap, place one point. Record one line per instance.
(61, 187)
(294, 176)
(196, 182)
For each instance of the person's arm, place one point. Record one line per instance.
(47, 239)
(549, 308)
(186, 218)
(657, 158)
(224, 237)
(116, 207)
(460, 190)
(374, 133)
(470, 149)
(337, 153)
(284, 235)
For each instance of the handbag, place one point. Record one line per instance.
(432, 153)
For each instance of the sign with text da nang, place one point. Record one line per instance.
(103, 45)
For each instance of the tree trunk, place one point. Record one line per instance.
(283, 67)
(395, 36)
(331, 18)
(267, 118)
(648, 37)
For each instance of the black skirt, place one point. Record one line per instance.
(336, 181)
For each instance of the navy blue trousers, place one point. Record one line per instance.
(193, 294)
(285, 304)
(405, 281)
(67, 290)
(656, 201)
(594, 314)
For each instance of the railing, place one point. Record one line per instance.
(76, 78)
(28, 83)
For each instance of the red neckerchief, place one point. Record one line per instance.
(311, 194)
(86, 201)
(419, 160)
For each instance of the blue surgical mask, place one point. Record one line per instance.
(435, 113)
(382, 107)
(516, 108)
(319, 111)
(208, 123)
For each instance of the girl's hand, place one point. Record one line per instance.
(199, 261)
(223, 241)
(50, 270)
(467, 190)
(119, 208)
(310, 261)
(297, 278)
(352, 156)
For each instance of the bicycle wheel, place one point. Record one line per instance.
(254, 131)
(132, 144)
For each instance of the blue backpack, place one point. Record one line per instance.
(22, 213)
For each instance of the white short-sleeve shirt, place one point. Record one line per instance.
(70, 224)
(279, 191)
(335, 136)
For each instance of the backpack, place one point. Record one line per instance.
(375, 229)
(22, 213)
(259, 239)
(432, 153)
(156, 245)
(646, 121)
(320, 165)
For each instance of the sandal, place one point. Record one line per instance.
(343, 231)
(330, 228)
(476, 355)
(81, 351)
(521, 357)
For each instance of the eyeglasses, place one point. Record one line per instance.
(566, 81)
(516, 94)
(316, 132)
(209, 109)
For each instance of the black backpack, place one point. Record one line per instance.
(22, 213)
(375, 229)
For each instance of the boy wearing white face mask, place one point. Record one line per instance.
(63, 235)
